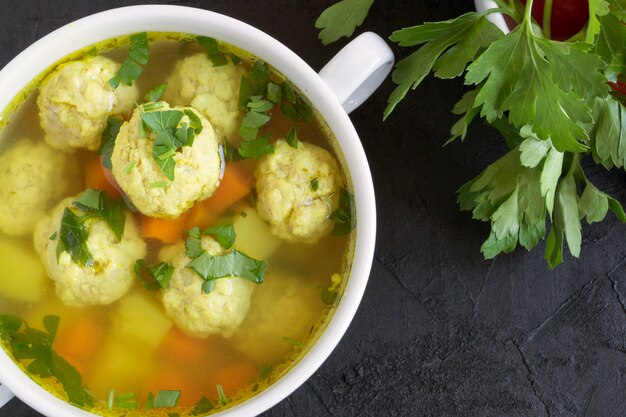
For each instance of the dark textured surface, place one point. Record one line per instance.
(440, 331)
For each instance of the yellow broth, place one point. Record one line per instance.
(130, 346)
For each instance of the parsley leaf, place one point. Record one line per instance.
(292, 138)
(203, 407)
(342, 216)
(233, 264)
(138, 56)
(609, 133)
(256, 148)
(107, 143)
(212, 48)
(35, 346)
(104, 207)
(73, 239)
(224, 234)
(155, 94)
(153, 277)
(341, 19)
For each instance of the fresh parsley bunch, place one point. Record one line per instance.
(551, 100)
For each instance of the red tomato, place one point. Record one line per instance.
(619, 87)
(567, 19)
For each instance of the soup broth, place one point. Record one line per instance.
(135, 354)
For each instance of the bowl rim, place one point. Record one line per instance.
(170, 18)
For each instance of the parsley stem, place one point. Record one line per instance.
(528, 12)
(547, 17)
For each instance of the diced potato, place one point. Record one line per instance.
(22, 276)
(121, 361)
(141, 319)
(254, 237)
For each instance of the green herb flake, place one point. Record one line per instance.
(166, 399)
(128, 168)
(255, 120)
(212, 48)
(35, 346)
(342, 19)
(193, 244)
(232, 264)
(154, 277)
(138, 56)
(292, 138)
(107, 141)
(53, 236)
(152, 106)
(235, 59)
(203, 407)
(73, 236)
(294, 342)
(342, 216)
(256, 148)
(314, 184)
(274, 93)
(243, 214)
(224, 234)
(104, 207)
(223, 399)
(155, 94)
(92, 52)
(266, 372)
(159, 184)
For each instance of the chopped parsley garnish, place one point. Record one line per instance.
(292, 138)
(163, 399)
(107, 143)
(155, 94)
(130, 166)
(203, 406)
(171, 134)
(92, 52)
(73, 233)
(314, 184)
(53, 236)
(138, 56)
(212, 48)
(294, 342)
(342, 217)
(127, 401)
(256, 148)
(233, 263)
(158, 184)
(221, 395)
(153, 277)
(35, 346)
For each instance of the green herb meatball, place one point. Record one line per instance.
(34, 177)
(219, 312)
(197, 173)
(283, 306)
(111, 275)
(75, 100)
(212, 90)
(298, 189)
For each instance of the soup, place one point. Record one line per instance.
(175, 226)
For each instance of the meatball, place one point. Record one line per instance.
(298, 190)
(212, 90)
(76, 99)
(197, 313)
(112, 274)
(197, 174)
(34, 177)
(283, 306)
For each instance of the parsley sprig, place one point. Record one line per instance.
(132, 67)
(551, 101)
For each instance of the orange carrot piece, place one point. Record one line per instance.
(97, 178)
(180, 348)
(200, 216)
(235, 377)
(165, 230)
(170, 378)
(235, 185)
(78, 342)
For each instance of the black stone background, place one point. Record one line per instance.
(440, 331)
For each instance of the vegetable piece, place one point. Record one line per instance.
(153, 277)
(180, 348)
(165, 230)
(79, 341)
(235, 377)
(97, 179)
(141, 320)
(222, 398)
(131, 68)
(203, 407)
(107, 143)
(166, 399)
(254, 236)
(235, 185)
(99, 204)
(35, 346)
(341, 19)
(124, 401)
(22, 276)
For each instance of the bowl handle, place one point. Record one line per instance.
(358, 69)
(5, 395)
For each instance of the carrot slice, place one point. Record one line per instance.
(235, 185)
(237, 376)
(180, 348)
(97, 178)
(165, 230)
(78, 341)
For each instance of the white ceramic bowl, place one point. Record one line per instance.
(346, 81)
